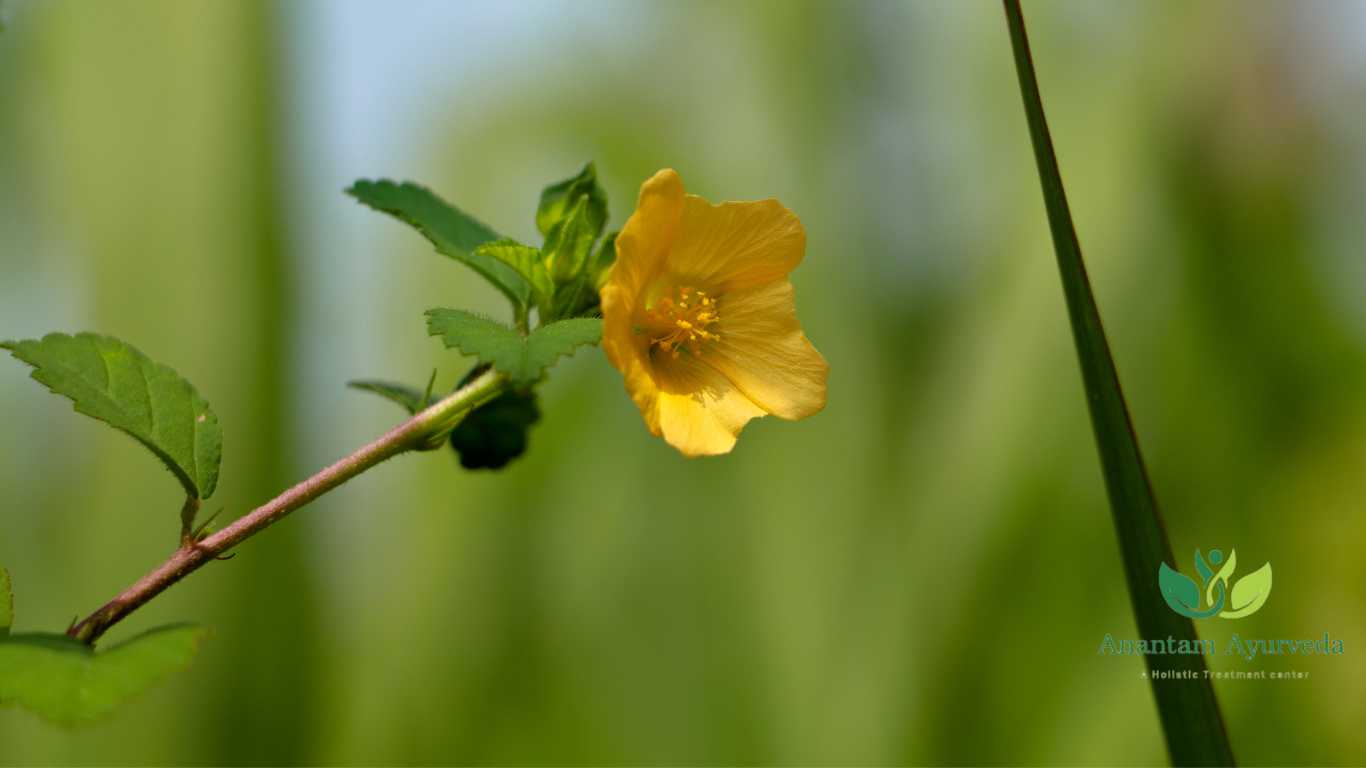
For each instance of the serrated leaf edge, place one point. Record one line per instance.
(463, 258)
(541, 285)
(572, 348)
(525, 376)
(190, 484)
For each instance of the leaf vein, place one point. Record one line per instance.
(147, 397)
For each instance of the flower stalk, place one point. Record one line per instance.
(414, 434)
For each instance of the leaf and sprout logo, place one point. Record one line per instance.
(1223, 597)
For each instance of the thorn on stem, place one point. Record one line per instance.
(427, 396)
(202, 531)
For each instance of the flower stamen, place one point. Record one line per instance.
(684, 322)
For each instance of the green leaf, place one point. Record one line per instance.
(522, 358)
(573, 267)
(580, 297)
(68, 682)
(488, 340)
(410, 399)
(568, 245)
(6, 603)
(572, 215)
(527, 261)
(454, 233)
(1249, 593)
(1188, 710)
(111, 381)
(575, 299)
(560, 198)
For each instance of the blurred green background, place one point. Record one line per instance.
(920, 574)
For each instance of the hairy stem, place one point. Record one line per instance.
(412, 434)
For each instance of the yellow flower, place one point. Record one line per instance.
(699, 317)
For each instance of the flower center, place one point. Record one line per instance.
(683, 323)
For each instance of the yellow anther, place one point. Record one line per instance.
(683, 324)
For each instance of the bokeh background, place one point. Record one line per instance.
(920, 574)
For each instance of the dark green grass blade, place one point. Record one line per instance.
(1188, 709)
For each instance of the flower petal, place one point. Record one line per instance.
(735, 246)
(692, 406)
(739, 253)
(648, 235)
(764, 353)
(623, 346)
(697, 410)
